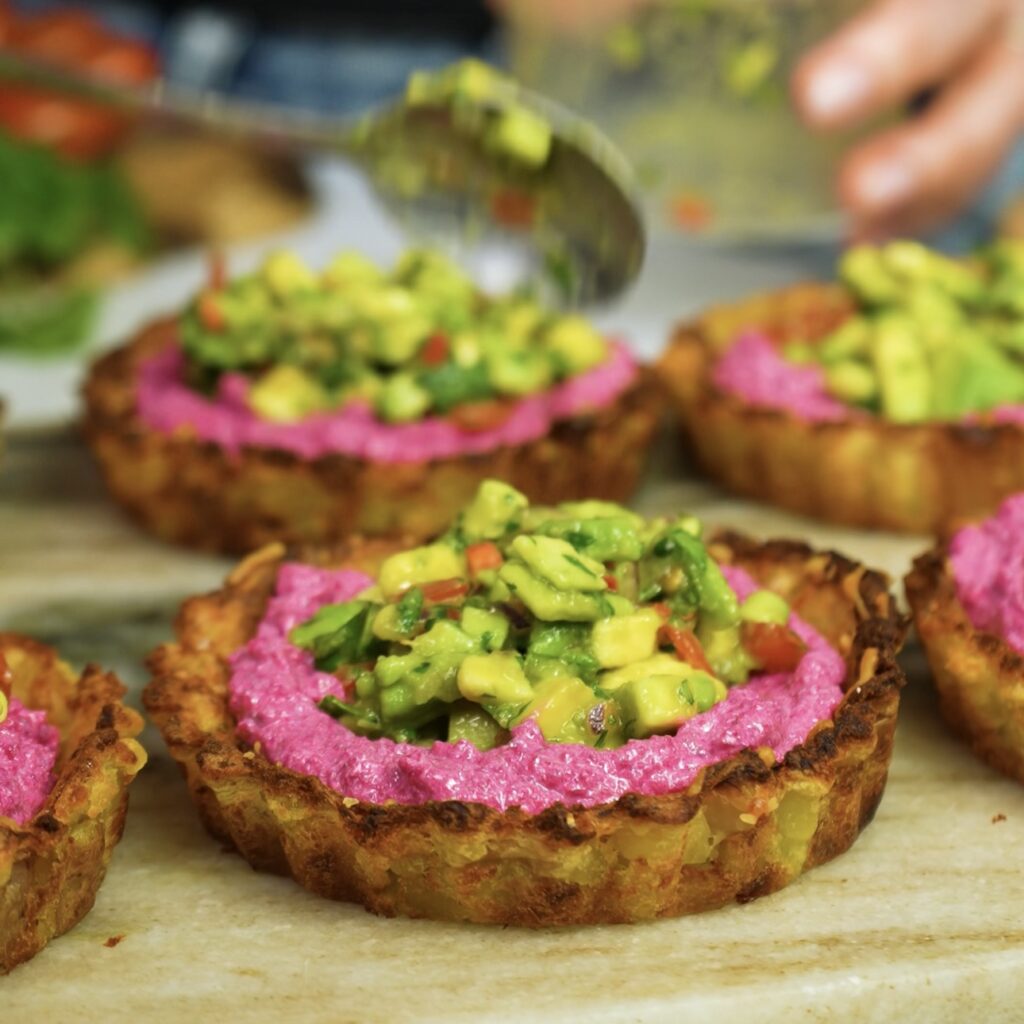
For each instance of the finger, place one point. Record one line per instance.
(886, 54)
(919, 173)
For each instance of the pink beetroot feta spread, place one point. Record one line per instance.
(28, 753)
(274, 689)
(165, 403)
(987, 560)
(754, 370)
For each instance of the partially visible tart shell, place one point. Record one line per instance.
(979, 676)
(869, 472)
(196, 493)
(745, 828)
(52, 867)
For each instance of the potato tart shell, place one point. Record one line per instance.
(868, 472)
(193, 492)
(745, 828)
(52, 867)
(978, 675)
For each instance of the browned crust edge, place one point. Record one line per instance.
(52, 867)
(978, 676)
(869, 473)
(746, 828)
(196, 493)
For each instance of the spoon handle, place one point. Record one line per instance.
(161, 100)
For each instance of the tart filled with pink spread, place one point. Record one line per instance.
(532, 674)
(967, 596)
(896, 400)
(67, 756)
(301, 406)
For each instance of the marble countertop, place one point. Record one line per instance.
(923, 920)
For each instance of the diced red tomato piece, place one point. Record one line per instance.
(687, 646)
(217, 270)
(485, 415)
(125, 61)
(691, 212)
(775, 647)
(484, 555)
(513, 208)
(435, 349)
(611, 581)
(444, 590)
(662, 609)
(210, 313)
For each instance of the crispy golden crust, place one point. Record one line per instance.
(195, 493)
(746, 828)
(872, 473)
(52, 867)
(979, 677)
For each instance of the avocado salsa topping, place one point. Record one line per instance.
(931, 338)
(418, 341)
(595, 624)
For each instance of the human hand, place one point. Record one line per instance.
(922, 171)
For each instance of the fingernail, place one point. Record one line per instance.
(884, 184)
(836, 90)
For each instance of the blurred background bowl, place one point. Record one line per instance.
(697, 93)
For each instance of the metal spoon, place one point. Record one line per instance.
(575, 214)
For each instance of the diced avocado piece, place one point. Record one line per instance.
(560, 706)
(555, 639)
(593, 508)
(469, 78)
(472, 723)
(627, 638)
(852, 382)
(557, 562)
(401, 399)
(285, 393)
(398, 621)
(352, 270)
(765, 606)
(605, 539)
(619, 604)
(657, 665)
(338, 634)
(489, 628)
(492, 511)
(419, 565)
(657, 704)
(521, 134)
(864, 270)
(520, 372)
(431, 667)
(718, 604)
(972, 375)
(724, 652)
(576, 344)
(495, 678)
(676, 567)
(802, 352)
(706, 691)
(286, 275)
(850, 340)
(902, 368)
(560, 649)
(548, 603)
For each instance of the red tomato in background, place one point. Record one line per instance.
(73, 39)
